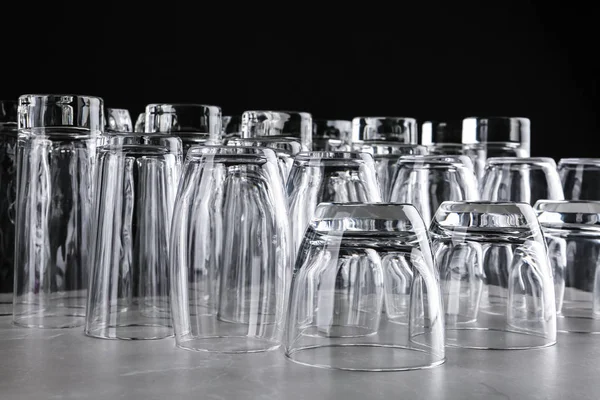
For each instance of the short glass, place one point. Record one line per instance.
(117, 120)
(331, 135)
(354, 256)
(278, 124)
(580, 178)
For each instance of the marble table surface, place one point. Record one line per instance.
(65, 364)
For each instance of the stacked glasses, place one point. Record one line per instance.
(357, 245)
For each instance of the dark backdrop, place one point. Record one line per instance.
(429, 61)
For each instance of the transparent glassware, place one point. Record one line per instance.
(140, 123)
(285, 124)
(58, 135)
(485, 137)
(495, 276)
(328, 177)
(284, 148)
(521, 179)
(136, 179)
(331, 135)
(442, 137)
(195, 124)
(8, 197)
(572, 232)
(393, 129)
(230, 251)
(386, 156)
(232, 126)
(427, 181)
(354, 256)
(580, 178)
(117, 120)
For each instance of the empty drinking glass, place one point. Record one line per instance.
(117, 120)
(572, 231)
(193, 123)
(386, 156)
(320, 176)
(442, 137)
(495, 276)
(230, 251)
(392, 129)
(485, 137)
(580, 178)
(521, 179)
(8, 185)
(128, 297)
(427, 181)
(331, 135)
(284, 148)
(354, 256)
(58, 135)
(286, 124)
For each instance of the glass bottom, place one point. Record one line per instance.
(494, 339)
(6, 308)
(578, 325)
(339, 331)
(364, 357)
(50, 321)
(131, 332)
(228, 344)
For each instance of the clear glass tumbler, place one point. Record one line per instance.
(495, 276)
(320, 177)
(230, 251)
(331, 135)
(140, 123)
(386, 156)
(8, 197)
(427, 181)
(117, 120)
(521, 179)
(354, 256)
(195, 124)
(136, 178)
(580, 178)
(485, 137)
(286, 149)
(442, 137)
(232, 126)
(58, 135)
(286, 124)
(392, 129)
(572, 231)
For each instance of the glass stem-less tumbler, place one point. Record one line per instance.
(8, 183)
(58, 135)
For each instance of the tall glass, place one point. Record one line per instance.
(8, 187)
(58, 135)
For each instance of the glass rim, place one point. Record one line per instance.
(383, 118)
(436, 159)
(333, 155)
(95, 100)
(521, 160)
(369, 211)
(152, 107)
(482, 206)
(579, 161)
(568, 206)
(230, 151)
(289, 113)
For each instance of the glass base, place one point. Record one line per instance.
(131, 332)
(364, 357)
(494, 339)
(6, 308)
(49, 321)
(340, 331)
(228, 344)
(578, 325)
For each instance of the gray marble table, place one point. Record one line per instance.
(65, 364)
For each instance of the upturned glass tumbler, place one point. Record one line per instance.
(117, 120)
(386, 156)
(230, 251)
(58, 135)
(352, 258)
(285, 149)
(128, 297)
(331, 135)
(442, 137)
(521, 179)
(392, 129)
(495, 276)
(194, 123)
(427, 181)
(281, 124)
(320, 177)
(140, 123)
(572, 231)
(232, 126)
(580, 178)
(8, 196)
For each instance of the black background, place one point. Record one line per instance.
(428, 61)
